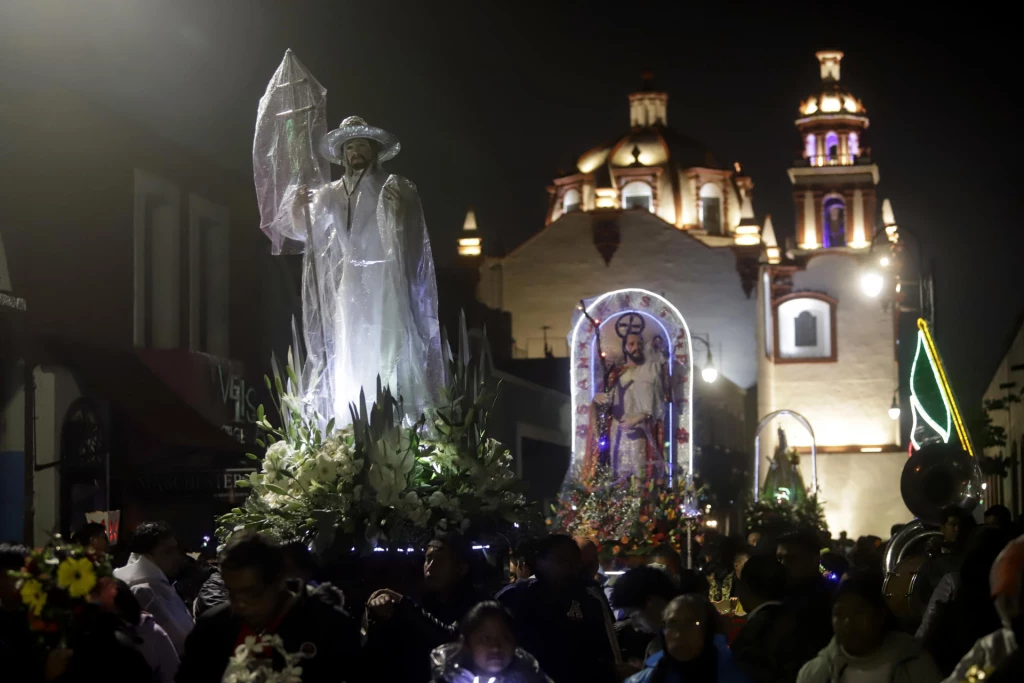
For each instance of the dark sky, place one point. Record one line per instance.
(491, 99)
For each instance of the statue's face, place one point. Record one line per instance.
(634, 348)
(358, 153)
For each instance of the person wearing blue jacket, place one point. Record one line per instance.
(694, 650)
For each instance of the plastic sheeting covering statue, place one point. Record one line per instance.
(369, 294)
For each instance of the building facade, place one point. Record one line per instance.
(155, 307)
(826, 349)
(789, 326)
(1002, 402)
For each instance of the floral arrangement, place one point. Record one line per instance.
(252, 662)
(779, 513)
(626, 517)
(378, 483)
(58, 584)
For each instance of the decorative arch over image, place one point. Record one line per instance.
(630, 349)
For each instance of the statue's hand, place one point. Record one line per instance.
(391, 193)
(303, 195)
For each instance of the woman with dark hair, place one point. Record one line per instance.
(486, 650)
(695, 651)
(867, 645)
(151, 640)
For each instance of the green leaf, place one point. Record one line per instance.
(330, 427)
(242, 484)
(259, 412)
(252, 456)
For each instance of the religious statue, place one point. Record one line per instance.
(635, 397)
(784, 481)
(369, 294)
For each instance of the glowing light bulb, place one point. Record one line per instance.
(871, 283)
(709, 374)
(884, 261)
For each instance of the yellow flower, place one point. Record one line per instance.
(77, 576)
(33, 595)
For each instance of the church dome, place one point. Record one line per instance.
(654, 168)
(834, 99)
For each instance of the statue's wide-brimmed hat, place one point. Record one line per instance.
(355, 127)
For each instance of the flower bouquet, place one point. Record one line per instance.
(253, 662)
(59, 584)
(626, 517)
(378, 483)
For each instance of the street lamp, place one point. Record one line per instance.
(894, 409)
(709, 373)
(871, 283)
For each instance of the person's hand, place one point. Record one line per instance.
(382, 604)
(602, 399)
(57, 662)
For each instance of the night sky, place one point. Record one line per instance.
(492, 99)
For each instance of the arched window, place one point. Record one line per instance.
(832, 147)
(571, 200)
(811, 148)
(835, 222)
(805, 329)
(853, 144)
(637, 195)
(711, 208)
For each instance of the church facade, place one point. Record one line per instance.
(785, 326)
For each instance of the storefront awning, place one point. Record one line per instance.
(124, 379)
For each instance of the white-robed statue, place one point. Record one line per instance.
(369, 294)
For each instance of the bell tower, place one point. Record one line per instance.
(834, 179)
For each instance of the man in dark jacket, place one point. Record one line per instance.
(559, 621)
(762, 647)
(253, 569)
(402, 632)
(808, 600)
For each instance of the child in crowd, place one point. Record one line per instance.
(486, 652)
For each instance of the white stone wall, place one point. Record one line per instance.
(845, 401)
(860, 491)
(544, 279)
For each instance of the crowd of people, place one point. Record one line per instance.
(768, 608)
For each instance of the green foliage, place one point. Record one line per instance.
(771, 514)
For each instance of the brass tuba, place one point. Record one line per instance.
(936, 476)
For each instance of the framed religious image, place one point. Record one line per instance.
(631, 388)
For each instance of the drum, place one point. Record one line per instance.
(899, 589)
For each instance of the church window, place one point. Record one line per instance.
(711, 208)
(157, 233)
(832, 147)
(853, 144)
(835, 222)
(805, 329)
(637, 195)
(571, 201)
(811, 147)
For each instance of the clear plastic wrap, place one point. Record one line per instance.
(369, 293)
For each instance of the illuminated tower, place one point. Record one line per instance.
(470, 244)
(834, 181)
